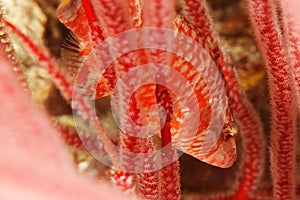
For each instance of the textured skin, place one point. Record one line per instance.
(283, 134)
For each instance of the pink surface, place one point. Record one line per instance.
(295, 6)
(33, 161)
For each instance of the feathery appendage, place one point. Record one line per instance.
(291, 41)
(161, 14)
(147, 184)
(283, 132)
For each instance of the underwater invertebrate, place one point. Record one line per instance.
(155, 103)
(283, 133)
